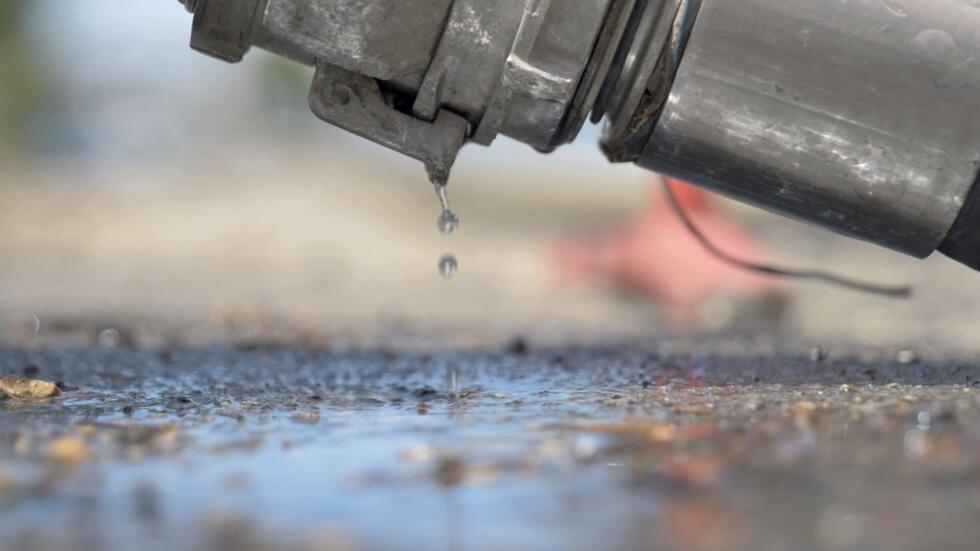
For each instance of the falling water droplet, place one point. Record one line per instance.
(448, 222)
(448, 266)
(108, 338)
(453, 381)
(443, 197)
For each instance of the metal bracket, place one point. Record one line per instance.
(222, 28)
(354, 102)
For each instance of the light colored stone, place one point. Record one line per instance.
(18, 386)
(67, 449)
(305, 417)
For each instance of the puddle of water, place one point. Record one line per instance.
(350, 469)
(517, 450)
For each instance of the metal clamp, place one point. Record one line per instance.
(222, 28)
(355, 103)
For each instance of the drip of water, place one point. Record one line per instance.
(448, 266)
(453, 381)
(448, 222)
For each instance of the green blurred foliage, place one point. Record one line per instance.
(21, 84)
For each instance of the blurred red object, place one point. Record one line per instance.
(657, 256)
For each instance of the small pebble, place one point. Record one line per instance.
(805, 409)
(518, 346)
(7, 483)
(23, 445)
(18, 386)
(418, 453)
(907, 357)
(450, 471)
(915, 444)
(67, 449)
(305, 417)
(694, 409)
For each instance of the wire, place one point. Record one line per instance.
(903, 291)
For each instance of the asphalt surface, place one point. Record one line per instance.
(716, 443)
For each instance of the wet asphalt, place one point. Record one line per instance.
(715, 443)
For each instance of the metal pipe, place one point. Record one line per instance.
(863, 117)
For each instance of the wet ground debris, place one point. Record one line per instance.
(20, 387)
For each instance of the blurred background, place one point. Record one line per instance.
(170, 197)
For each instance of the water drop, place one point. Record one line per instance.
(454, 383)
(935, 44)
(448, 222)
(443, 197)
(108, 338)
(448, 266)
(924, 420)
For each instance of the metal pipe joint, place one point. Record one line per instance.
(862, 117)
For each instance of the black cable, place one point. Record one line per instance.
(902, 291)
